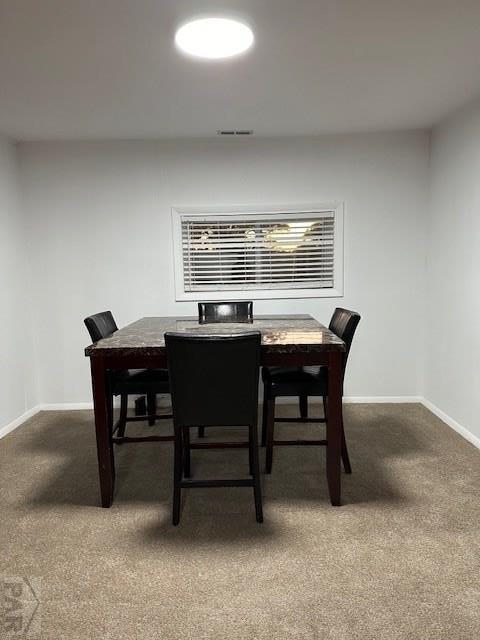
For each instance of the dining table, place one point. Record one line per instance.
(286, 341)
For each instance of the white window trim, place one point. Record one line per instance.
(257, 294)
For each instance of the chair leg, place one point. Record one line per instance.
(141, 406)
(255, 470)
(303, 404)
(122, 420)
(250, 457)
(177, 476)
(325, 408)
(345, 457)
(111, 426)
(270, 431)
(186, 451)
(264, 415)
(151, 408)
(201, 432)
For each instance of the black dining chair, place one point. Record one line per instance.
(206, 389)
(227, 311)
(149, 382)
(304, 382)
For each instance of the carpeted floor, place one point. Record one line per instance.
(400, 559)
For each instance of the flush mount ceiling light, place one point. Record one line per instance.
(214, 38)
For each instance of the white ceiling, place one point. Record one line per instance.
(108, 68)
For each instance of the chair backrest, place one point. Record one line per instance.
(213, 379)
(240, 311)
(101, 325)
(344, 324)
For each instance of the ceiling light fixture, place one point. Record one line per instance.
(214, 38)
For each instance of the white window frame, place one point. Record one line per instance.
(263, 210)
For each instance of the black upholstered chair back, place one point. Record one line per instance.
(214, 379)
(344, 324)
(225, 312)
(101, 325)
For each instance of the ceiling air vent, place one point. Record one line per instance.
(235, 132)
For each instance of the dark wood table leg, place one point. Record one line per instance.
(106, 465)
(334, 426)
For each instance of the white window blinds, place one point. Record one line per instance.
(265, 252)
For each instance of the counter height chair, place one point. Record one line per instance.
(206, 389)
(149, 382)
(304, 382)
(227, 311)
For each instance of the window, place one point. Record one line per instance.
(282, 253)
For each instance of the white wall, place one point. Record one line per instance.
(453, 282)
(16, 357)
(99, 216)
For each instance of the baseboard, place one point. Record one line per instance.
(80, 406)
(72, 406)
(8, 428)
(453, 424)
(382, 399)
(358, 400)
(66, 406)
(69, 406)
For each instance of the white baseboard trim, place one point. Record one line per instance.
(357, 400)
(382, 399)
(8, 428)
(66, 406)
(453, 424)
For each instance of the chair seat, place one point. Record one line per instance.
(296, 381)
(140, 381)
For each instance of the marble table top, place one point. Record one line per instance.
(286, 334)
